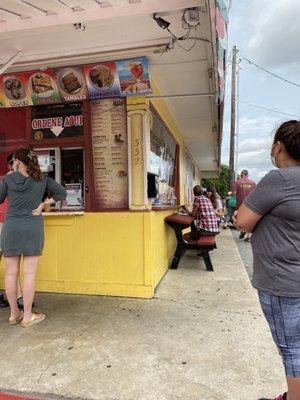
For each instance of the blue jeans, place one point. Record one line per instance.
(283, 316)
(229, 215)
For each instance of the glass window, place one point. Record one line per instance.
(163, 162)
(192, 178)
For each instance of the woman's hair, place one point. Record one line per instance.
(198, 190)
(213, 197)
(9, 159)
(29, 158)
(289, 134)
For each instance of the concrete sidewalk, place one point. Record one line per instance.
(202, 338)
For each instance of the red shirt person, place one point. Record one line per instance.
(243, 187)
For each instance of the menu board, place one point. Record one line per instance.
(109, 135)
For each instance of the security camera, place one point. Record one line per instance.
(80, 26)
(162, 23)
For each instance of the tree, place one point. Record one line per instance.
(222, 184)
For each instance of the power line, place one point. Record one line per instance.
(271, 73)
(269, 109)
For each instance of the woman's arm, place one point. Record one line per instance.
(57, 193)
(246, 219)
(270, 191)
(219, 208)
(219, 213)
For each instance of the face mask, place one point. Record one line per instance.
(273, 158)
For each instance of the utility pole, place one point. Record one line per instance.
(237, 128)
(233, 119)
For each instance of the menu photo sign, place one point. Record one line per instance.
(95, 81)
(42, 87)
(14, 91)
(71, 83)
(134, 76)
(102, 80)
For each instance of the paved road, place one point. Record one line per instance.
(245, 251)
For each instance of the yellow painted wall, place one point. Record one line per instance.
(163, 244)
(98, 253)
(116, 253)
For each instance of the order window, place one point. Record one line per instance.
(66, 166)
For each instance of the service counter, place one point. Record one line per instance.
(109, 253)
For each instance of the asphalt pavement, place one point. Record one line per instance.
(245, 251)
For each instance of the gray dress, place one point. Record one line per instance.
(23, 233)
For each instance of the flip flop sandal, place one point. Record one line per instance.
(15, 321)
(35, 319)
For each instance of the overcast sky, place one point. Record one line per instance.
(267, 32)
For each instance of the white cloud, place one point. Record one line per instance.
(267, 32)
(254, 144)
(275, 40)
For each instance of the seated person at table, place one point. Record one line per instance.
(206, 221)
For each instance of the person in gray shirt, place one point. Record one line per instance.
(23, 229)
(272, 213)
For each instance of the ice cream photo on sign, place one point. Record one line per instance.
(134, 76)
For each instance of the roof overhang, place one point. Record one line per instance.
(187, 80)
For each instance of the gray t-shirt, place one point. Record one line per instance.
(276, 238)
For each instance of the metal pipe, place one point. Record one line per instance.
(172, 96)
(10, 62)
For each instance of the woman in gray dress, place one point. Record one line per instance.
(23, 229)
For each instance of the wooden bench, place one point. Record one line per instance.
(204, 245)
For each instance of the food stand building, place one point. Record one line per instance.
(126, 113)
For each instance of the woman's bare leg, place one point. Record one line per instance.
(19, 287)
(11, 284)
(30, 268)
(293, 388)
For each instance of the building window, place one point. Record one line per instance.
(164, 162)
(66, 166)
(60, 136)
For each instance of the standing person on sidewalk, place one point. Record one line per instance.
(230, 208)
(272, 213)
(242, 188)
(23, 229)
(3, 210)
